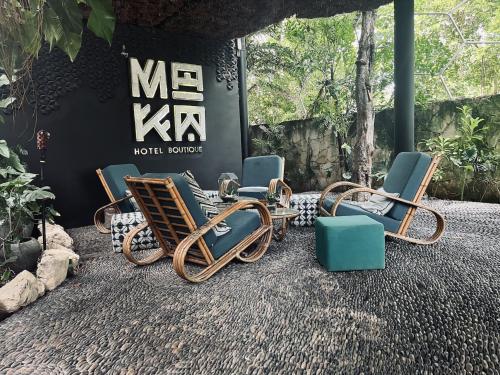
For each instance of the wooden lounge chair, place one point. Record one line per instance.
(409, 176)
(261, 174)
(111, 178)
(185, 233)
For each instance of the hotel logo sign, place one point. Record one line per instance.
(188, 118)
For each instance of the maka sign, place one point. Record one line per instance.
(150, 80)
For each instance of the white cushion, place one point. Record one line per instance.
(377, 204)
(253, 189)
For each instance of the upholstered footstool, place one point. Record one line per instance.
(347, 243)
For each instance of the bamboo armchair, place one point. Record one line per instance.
(261, 175)
(393, 227)
(185, 234)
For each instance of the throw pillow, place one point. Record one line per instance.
(377, 203)
(133, 201)
(206, 205)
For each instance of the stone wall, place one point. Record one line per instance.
(312, 152)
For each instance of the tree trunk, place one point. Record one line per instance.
(363, 145)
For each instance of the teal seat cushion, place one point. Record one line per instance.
(258, 192)
(242, 224)
(260, 170)
(405, 177)
(114, 177)
(190, 201)
(345, 209)
(347, 243)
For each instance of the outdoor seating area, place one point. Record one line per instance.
(116, 317)
(220, 187)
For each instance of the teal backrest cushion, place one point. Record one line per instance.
(405, 177)
(260, 170)
(113, 175)
(190, 201)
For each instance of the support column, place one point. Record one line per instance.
(404, 61)
(242, 84)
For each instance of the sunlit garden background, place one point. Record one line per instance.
(302, 102)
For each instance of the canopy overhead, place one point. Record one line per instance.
(229, 18)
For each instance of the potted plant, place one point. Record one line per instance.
(20, 202)
(272, 199)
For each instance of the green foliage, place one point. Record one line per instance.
(26, 25)
(474, 71)
(272, 197)
(470, 151)
(305, 68)
(271, 141)
(20, 199)
(302, 69)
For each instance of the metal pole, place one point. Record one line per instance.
(42, 138)
(404, 61)
(242, 84)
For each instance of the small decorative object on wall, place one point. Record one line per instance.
(42, 139)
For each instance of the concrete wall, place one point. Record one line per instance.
(312, 152)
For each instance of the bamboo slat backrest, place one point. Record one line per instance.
(167, 214)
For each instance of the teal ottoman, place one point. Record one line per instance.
(347, 243)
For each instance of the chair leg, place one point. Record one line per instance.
(263, 234)
(436, 236)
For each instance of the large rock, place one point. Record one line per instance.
(21, 291)
(54, 266)
(56, 237)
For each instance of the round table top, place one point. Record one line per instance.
(284, 213)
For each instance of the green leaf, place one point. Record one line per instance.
(52, 27)
(102, 19)
(4, 103)
(38, 194)
(70, 18)
(4, 149)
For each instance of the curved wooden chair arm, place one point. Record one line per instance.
(224, 187)
(127, 248)
(334, 186)
(183, 247)
(277, 184)
(440, 222)
(99, 214)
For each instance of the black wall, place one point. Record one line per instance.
(87, 108)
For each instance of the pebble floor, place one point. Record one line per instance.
(433, 310)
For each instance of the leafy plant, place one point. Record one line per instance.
(272, 197)
(469, 151)
(272, 140)
(26, 24)
(20, 200)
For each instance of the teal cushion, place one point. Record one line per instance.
(242, 224)
(405, 176)
(113, 175)
(345, 209)
(260, 170)
(190, 201)
(258, 192)
(346, 243)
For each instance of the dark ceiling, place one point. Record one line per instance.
(229, 18)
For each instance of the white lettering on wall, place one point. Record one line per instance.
(187, 86)
(143, 78)
(188, 117)
(155, 122)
